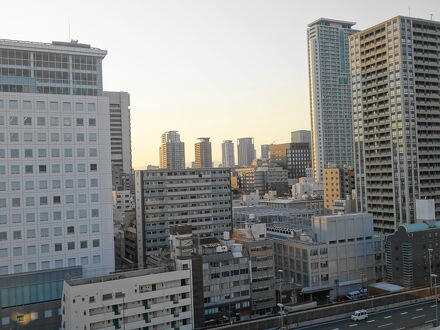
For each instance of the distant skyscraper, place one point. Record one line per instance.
(172, 151)
(265, 151)
(396, 104)
(203, 153)
(330, 94)
(245, 151)
(301, 136)
(228, 158)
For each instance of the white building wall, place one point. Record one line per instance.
(60, 214)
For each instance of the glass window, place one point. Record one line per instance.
(43, 200)
(57, 215)
(16, 202)
(3, 219)
(54, 106)
(67, 137)
(56, 199)
(71, 246)
(15, 153)
(79, 122)
(95, 228)
(28, 153)
(55, 137)
(95, 213)
(83, 245)
(57, 231)
(17, 252)
(15, 185)
(69, 183)
(93, 167)
(42, 168)
(83, 229)
(31, 250)
(92, 122)
(2, 137)
(30, 233)
(45, 248)
(91, 107)
(30, 201)
(41, 121)
(71, 262)
(80, 137)
(3, 253)
(13, 137)
(82, 214)
(92, 137)
(59, 264)
(13, 104)
(56, 184)
(2, 120)
(70, 215)
(42, 153)
(44, 216)
(28, 137)
(6, 320)
(81, 167)
(69, 199)
(27, 105)
(40, 105)
(54, 121)
(42, 184)
(94, 197)
(67, 121)
(93, 152)
(2, 153)
(80, 152)
(81, 183)
(44, 232)
(68, 152)
(30, 217)
(45, 265)
(66, 106)
(13, 120)
(41, 137)
(2, 202)
(32, 266)
(27, 121)
(58, 247)
(96, 243)
(84, 261)
(79, 106)
(15, 169)
(55, 167)
(82, 198)
(68, 168)
(29, 169)
(29, 185)
(55, 152)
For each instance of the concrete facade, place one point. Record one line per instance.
(228, 158)
(172, 151)
(245, 151)
(203, 153)
(338, 184)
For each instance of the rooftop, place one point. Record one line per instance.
(329, 20)
(73, 47)
(420, 226)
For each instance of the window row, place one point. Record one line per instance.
(56, 168)
(42, 153)
(57, 231)
(54, 106)
(53, 121)
(44, 200)
(44, 184)
(43, 137)
(45, 216)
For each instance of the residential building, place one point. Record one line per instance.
(158, 298)
(263, 179)
(245, 151)
(336, 255)
(338, 184)
(330, 94)
(301, 136)
(265, 151)
(126, 241)
(123, 200)
(344, 206)
(261, 256)
(120, 133)
(199, 197)
(315, 205)
(299, 158)
(228, 158)
(172, 151)
(395, 79)
(203, 153)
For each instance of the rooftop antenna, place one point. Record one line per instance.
(431, 16)
(409, 11)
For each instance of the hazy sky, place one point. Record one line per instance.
(224, 69)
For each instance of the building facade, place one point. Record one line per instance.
(395, 79)
(330, 94)
(245, 151)
(156, 298)
(228, 158)
(301, 136)
(203, 153)
(120, 133)
(265, 151)
(263, 179)
(338, 184)
(172, 151)
(199, 197)
(298, 158)
(55, 164)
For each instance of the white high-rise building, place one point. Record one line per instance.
(228, 158)
(330, 94)
(120, 131)
(245, 151)
(172, 151)
(55, 163)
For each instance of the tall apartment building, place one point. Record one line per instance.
(120, 133)
(265, 151)
(199, 197)
(155, 298)
(203, 153)
(330, 94)
(299, 158)
(55, 175)
(396, 102)
(301, 136)
(172, 151)
(338, 184)
(245, 151)
(228, 158)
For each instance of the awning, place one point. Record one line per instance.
(314, 289)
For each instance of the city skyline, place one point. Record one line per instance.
(240, 63)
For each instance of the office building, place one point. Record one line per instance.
(172, 151)
(265, 151)
(55, 175)
(263, 179)
(336, 255)
(298, 158)
(338, 184)
(278, 154)
(155, 298)
(228, 158)
(199, 197)
(245, 151)
(330, 94)
(120, 134)
(395, 79)
(307, 188)
(301, 136)
(203, 153)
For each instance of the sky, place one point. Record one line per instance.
(207, 68)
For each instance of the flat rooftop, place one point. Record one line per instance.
(330, 20)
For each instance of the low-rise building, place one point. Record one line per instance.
(263, 179)
(307, 188)
(338, 184)
(315, 205)
(158, 298)
(337, 254)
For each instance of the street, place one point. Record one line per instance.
(405, 317)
